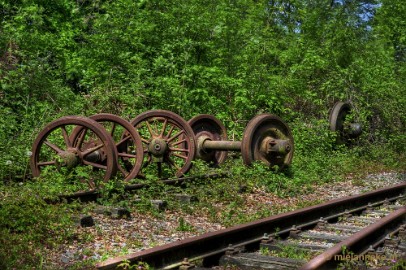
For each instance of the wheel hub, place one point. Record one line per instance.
(158, 148)
(353, 130)
(68, 159)
(271, 145)
(201, 150)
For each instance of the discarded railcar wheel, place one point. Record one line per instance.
(339, 123)
(54, 150)
(126, 139)
(268, 139)
(207, 127)
(168, 142)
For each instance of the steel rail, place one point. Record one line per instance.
(359, 241)
(214, 244)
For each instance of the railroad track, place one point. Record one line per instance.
(367, 229)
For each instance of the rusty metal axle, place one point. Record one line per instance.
(269, 145)
(206, 144)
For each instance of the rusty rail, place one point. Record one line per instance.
(358, 242)
(211, 246)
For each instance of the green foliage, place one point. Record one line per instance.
(401, 264)
(28, 224)
(289, 251)
(184, 226)
(139, 266)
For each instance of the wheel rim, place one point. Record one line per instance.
(126, 140)
(337, 118)
(168, 142)
(209, 127)
(261, 132)
(55, 150)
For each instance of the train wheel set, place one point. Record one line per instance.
(162, 143)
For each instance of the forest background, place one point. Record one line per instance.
(232, 59)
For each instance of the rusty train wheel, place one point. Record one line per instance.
(168, 143)
(126, 139)
(208, 127)
(268, 139)
(54, 150)
(337, 120)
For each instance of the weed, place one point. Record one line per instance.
(139, 266)
(184, 226)
(264, 251)
(399, 265)
(292, 251)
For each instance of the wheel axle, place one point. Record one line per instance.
(208, 144)
(266, 138)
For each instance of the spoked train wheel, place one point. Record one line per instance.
(168, 142)
(126, 140)
(94, 153)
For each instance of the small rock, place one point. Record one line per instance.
(67, 257)
(184, 198)
(120, 212)
(84, 221)
(136, 199)
(100, 209)
(87, 221)
(159, 204)
(242, 189)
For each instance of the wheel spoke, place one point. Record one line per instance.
(163, 127)
(123, 140)
(172, 163)
(122, 170)
(144, 140)
(96, 165)
(123, 154)
(156, 121)
(175, 136)
(113, 128)
(81, 138)
(66, 136)
(46, 163)
(179, 155)
(90, 150)
(149, 129)
(170, 131)
(53, 147)
(179, 142)
(179, 149)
